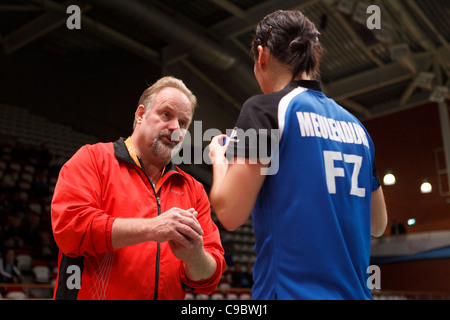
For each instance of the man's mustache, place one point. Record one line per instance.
(173, 135)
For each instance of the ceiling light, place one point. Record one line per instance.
(411, 222)
(439, 93)
(426, 187)
(399, 51)
(389, 179)
(424, 79)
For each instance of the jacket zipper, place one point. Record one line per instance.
(158, 246)
(158, 249)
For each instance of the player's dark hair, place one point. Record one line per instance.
(292, 38)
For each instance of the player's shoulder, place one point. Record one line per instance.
(262, 101)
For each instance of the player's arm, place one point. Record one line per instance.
(378, 213)
(235, 186)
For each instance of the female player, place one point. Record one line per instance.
(304, 168)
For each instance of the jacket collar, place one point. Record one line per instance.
(308, 84)
(121, 152)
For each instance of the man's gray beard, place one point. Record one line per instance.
(161, 150)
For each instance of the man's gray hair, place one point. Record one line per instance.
(149, 94)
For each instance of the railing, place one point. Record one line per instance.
(26, 291)
(409, 295)
(377, 294)
(27, 285)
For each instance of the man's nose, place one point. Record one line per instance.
(177, 133)
(174, 125)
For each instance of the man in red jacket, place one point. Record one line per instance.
(128, 223)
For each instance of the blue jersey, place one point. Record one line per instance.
(312, 216)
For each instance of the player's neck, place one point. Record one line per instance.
(282, 79)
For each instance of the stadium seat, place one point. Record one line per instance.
(24, 261)
(217, 296)
(41, 273)
(16, 294)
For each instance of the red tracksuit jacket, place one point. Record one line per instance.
(100, 183)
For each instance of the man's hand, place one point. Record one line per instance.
(190, 253)
(198, 264)
(179, 226)
(175, 224)
(190, 249)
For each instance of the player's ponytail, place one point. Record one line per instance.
(292, 38)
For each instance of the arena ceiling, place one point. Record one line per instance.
(371, 72)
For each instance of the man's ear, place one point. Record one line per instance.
(140, 114)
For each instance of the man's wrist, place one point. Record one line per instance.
(201, 267)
